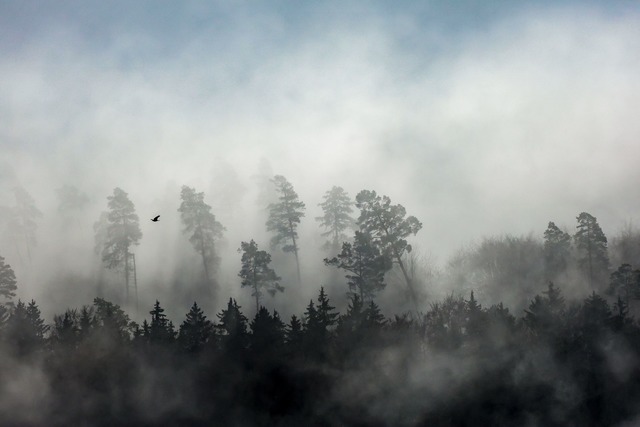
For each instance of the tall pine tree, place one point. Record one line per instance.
(256, 273)
(336, 219)
(284, 218)
(591, 244)
(203, 229)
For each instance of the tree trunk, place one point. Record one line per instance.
(414, 296)
(295, 251)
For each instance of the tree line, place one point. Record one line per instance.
(456, 364)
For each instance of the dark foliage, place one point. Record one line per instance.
(459, 364)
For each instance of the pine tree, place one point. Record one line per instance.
(66, 331)
(7, 281)
(111, 321)
(25, 329)
(388, 228)
(122, 232)
(203, 228)
(232, 330)
(161, 330)
(625, 282)
(557, 250)
(367, 265)
(294, 334)
(284, 217)
(195, 331)
(591, 244)
(256, 273)
(337, 208)
(267, 333)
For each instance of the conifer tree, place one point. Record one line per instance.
(256, 273)
(122, 233)
(294, 334)
(202, 227)
(591, 244)
(366, 264)
(267, 333)
(161, 330)
(25, 329)
(284, 218)
(195, 331)
(625, 282)
(388, 227)
(232, 329)
(557, 250)
(336, 219)
(7, 281)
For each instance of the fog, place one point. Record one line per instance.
(483, 121)
(477, 123)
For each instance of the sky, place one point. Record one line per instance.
(481, 118)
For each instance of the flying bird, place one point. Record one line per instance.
(155, 219)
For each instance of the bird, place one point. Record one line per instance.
(155, 219)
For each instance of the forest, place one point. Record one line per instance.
(536, 331)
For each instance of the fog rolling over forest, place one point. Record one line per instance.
(416, 214)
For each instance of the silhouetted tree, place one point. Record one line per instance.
(267, 334)
(318, 319)
(284, 217)
(111, 321)
(366, 263)
(161, 329)
(294, 334)
(557, 250)
(122, 232)
(25, 330)
(387, 225)
(233, 330)
(256, 273)
(66, 330)
(591, 244)
(195, 331)
(544, 313)
(7, 281)
(625, 283)
(202, 226)
(337, 208)
(476, 318)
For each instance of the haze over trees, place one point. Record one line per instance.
(336, 219)
(284, 218)
(203, 230)
(591, 244)
(388, 227)
(557, 251)
(22, 222)
(8, 283)
(122, 233)
(365, 264)
(256, 273)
